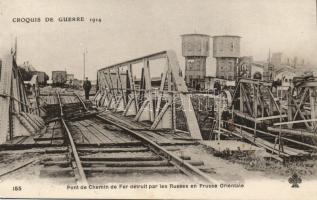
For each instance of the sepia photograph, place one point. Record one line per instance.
(161, 99)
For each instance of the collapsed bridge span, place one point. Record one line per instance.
(127, 87)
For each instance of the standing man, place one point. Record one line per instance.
(87, 87)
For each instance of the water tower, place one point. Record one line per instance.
(226, 50)
(195, 49)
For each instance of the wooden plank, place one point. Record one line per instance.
(17, 140)
(244, 115)
(295, 122)
(153, 136)
(127, 163)
(129, 158)
(115, 144)
(247, 116)
(288, 151)
(162, 163)
(135, 163)
(48, 134)
(114, 136)
(126, 170)
(56, 150)
(91, 137)
(59, 163)
(173, 143)
(55, 171)
(113, 150)
(47, 138)
(29, 140)
(293, 132)
(271, 117)
(79, 137)
(58, 133)
(25, 146)
(102, 138)
(42, 150)
(259, 142)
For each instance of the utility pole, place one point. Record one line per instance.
(84, 54)
(14, 49)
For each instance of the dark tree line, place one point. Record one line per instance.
(27, 75)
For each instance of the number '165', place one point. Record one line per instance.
(17, 188)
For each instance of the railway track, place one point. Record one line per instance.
(139, 156)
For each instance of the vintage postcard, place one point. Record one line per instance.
(158, 99)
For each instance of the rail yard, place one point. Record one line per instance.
(139, 126)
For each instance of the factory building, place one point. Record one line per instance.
(285, 77)
(195, 49)
(244, 67)
(280, 60)
(226, 51)
(247, 68)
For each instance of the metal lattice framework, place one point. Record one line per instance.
(121, 91)
(18, 117)
(301, 110)
(303, 104)
(256, 101)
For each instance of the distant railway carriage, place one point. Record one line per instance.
(59, 78)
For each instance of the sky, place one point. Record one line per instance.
(133, 28)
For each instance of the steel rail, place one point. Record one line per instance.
(183, 165)
(60, 104)
(81, 101)
(82, 176)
